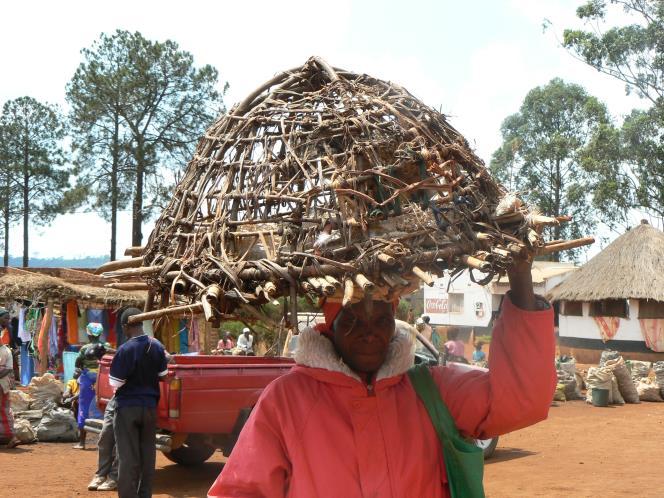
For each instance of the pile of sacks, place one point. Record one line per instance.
(37, 415)
(570, 382)
(627, 381)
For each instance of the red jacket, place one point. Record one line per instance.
(320, 432)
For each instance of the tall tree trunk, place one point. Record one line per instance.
(556, 207)
(114, 187)
(7, 201)
(137, 208)
(26, 203)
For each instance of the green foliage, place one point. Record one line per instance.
(643, 142)
(138, 108)
(34, 133)
(633, 54)
(560, 150)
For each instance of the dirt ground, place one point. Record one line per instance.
(580, 451)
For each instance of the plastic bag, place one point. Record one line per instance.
(24, 431)
(616, 398)
(57, 424)
(559, 394)
(45, 390)
(598, 378)
(607, 355)
(568, 365)
(19, 401)
(658, 367)
(625, 385)
(571, 388)
(648, 390)
(638, 369)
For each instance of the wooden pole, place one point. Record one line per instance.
(186, 309)
(134, 251)
(120, 264)
(128, 286)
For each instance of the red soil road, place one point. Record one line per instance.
(580, 451)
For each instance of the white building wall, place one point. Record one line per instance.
(584, 327)
(477, 302)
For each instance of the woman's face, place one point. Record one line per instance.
(362, 336)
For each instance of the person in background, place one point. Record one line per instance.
(88, 361)
(245, 343)
(106, 477)
(7, 433)
(70, 396)
(435, 338)
(226, 343)
(5, 333)
(454, 347)
(7, 339)
(136, 370)
(478, 354)
(411, 316)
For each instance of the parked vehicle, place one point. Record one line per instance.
(205, 401)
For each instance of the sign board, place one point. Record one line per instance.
(462, 303)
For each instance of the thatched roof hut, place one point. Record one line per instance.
(30, 286)
(632, 266)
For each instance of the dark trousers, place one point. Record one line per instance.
(135, 428)
(108, 460)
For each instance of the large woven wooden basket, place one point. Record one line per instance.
(329, 183)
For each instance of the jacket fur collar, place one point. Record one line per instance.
(317, 351)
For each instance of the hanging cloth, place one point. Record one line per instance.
(652, 330)
(174, 336)
(53, 337)
(184, 336)
(193, 335)
(23, 334)
(82, 323)
(608, 326)
(72, 322)
(42, 343)
(27, 365)
(119, 333)
(112, 337)
(62, 329)
(148, 328)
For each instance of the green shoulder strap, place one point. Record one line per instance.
(464, 462)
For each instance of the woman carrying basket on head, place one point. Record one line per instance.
(333, 426)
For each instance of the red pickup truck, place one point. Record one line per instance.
(205, 401)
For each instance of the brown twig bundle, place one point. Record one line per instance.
(323, 181)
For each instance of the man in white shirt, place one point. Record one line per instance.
(245, 343)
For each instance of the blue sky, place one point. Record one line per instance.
(474, 60)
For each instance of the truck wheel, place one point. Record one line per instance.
(488, 446)
(193, 452)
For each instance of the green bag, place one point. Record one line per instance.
(464, 462)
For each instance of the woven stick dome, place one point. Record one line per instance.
(327, 182)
